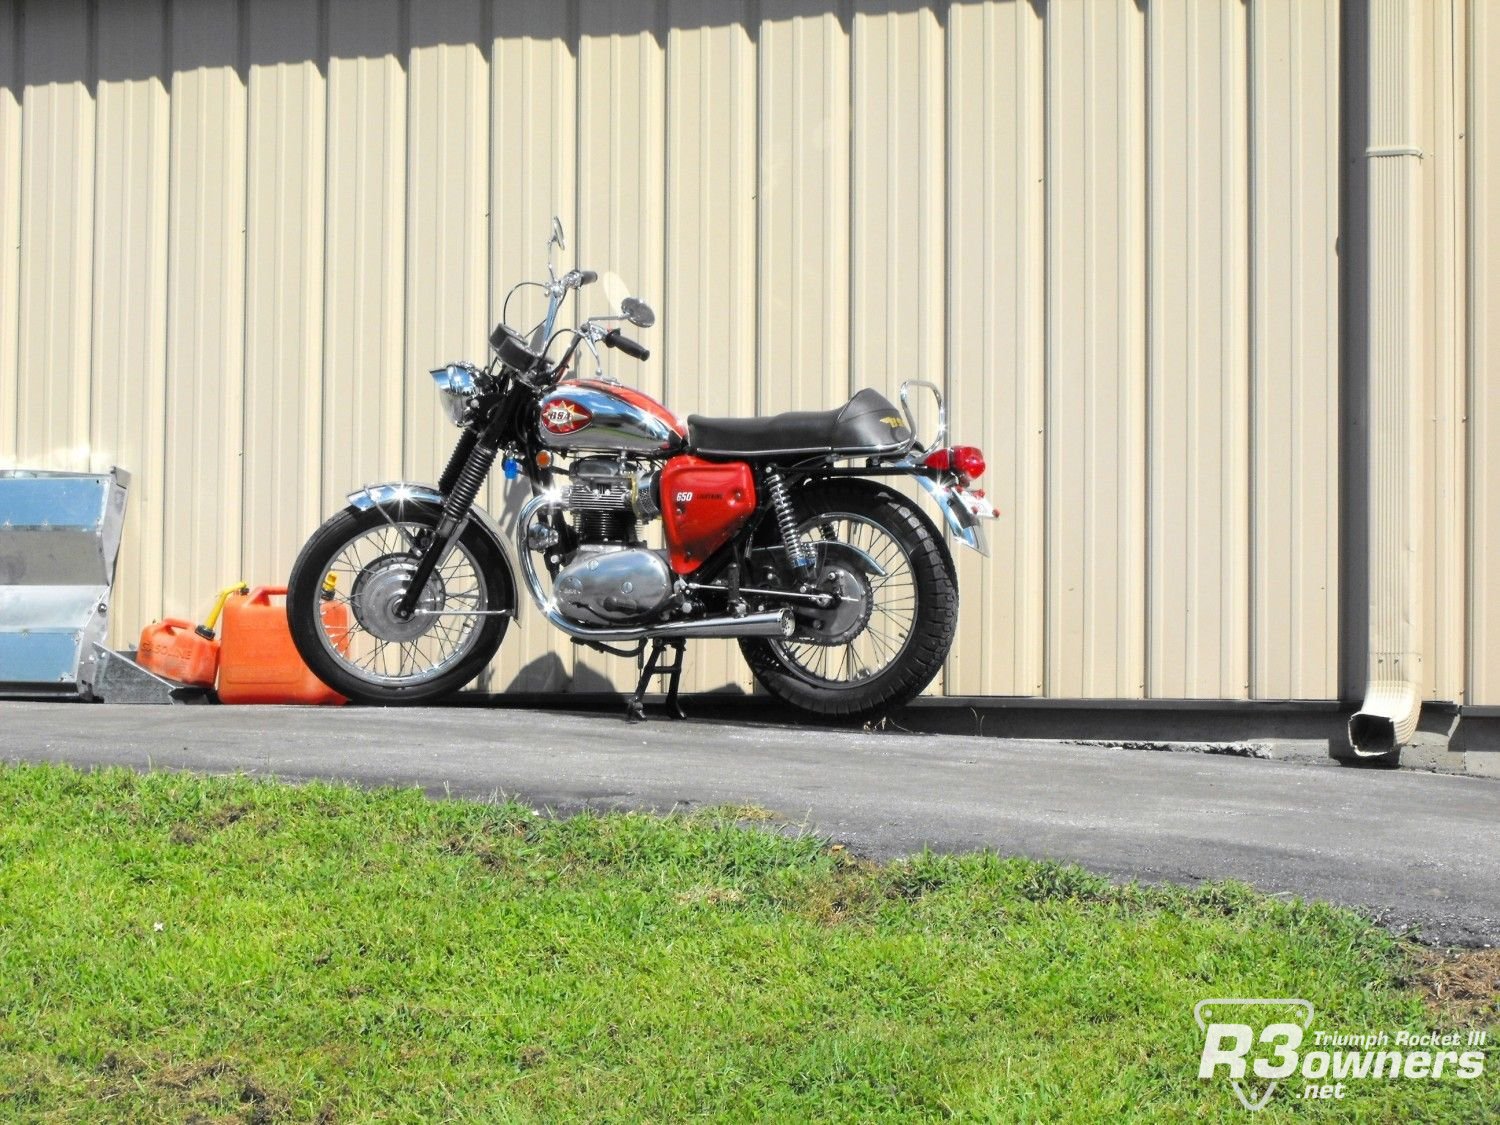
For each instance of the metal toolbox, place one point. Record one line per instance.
(59, 537)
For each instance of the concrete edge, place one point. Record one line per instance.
(1313, 732)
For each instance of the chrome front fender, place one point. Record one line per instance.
(389, 498)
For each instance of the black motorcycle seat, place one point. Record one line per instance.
(867, 425)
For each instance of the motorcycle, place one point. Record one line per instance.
(840, 590)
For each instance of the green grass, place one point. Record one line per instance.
(175, 947)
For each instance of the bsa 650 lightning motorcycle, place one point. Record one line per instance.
(841, 592)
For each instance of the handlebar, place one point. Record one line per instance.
(577, 279)
(613, 339)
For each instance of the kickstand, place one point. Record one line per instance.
(635, 708)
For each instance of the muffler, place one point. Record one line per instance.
(778, 623)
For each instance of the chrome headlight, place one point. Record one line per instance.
(456, 382)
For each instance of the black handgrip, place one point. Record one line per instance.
(587, 277)
(613, 339)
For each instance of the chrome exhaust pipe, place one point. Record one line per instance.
(778, 623)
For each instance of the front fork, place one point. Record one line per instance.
(460, 484)
(472, 459)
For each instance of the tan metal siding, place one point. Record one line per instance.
(447, 216)
(12, 91)
(205, 312)
(997, 332)
(284, 253)
(1483, 260)
(803, 203)
(1107, 228)
(897, 211)
(1293, 347)
(1096, 350)
(57, 233)
(1444, 565)
(129, 294)
(1199, 518)
(364, 283)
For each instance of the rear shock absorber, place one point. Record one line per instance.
(798, 553)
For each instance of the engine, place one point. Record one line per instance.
(611, 577)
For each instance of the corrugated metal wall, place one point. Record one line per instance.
(233, 235)
(1479, 399)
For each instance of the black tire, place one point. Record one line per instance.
(304, 602)
(935, 613)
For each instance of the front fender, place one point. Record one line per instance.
(390, 497)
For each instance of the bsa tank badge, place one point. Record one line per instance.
(564, 417)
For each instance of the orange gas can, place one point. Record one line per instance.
(258, 662)
(181, 651)
(172, 648)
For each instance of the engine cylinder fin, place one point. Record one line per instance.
(604, 526)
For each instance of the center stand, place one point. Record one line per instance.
(653, 665)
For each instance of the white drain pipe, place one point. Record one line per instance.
(1387, 719)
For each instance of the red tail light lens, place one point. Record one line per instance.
(969, 461)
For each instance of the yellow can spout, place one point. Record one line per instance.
(207, 628)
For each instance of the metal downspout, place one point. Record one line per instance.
(1387, 719)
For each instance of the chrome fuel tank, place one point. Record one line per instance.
(590, 414)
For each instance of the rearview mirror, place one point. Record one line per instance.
(557, 234)
(637, 312)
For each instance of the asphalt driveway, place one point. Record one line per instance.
(1414, 850)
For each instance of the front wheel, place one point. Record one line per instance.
(343, 590)
(897, 609)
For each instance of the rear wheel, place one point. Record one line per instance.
(343, 590)
(896, 607)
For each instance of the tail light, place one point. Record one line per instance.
(967, 461)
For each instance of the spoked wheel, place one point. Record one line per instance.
(342, 598)
(895, 606)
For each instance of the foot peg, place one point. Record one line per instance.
(655, 665)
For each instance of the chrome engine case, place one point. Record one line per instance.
(613, 584)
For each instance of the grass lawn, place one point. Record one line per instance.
(175, 947)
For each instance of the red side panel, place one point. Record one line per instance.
(703, 503)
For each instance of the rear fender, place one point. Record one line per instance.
(391, 497)
(963, 523)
